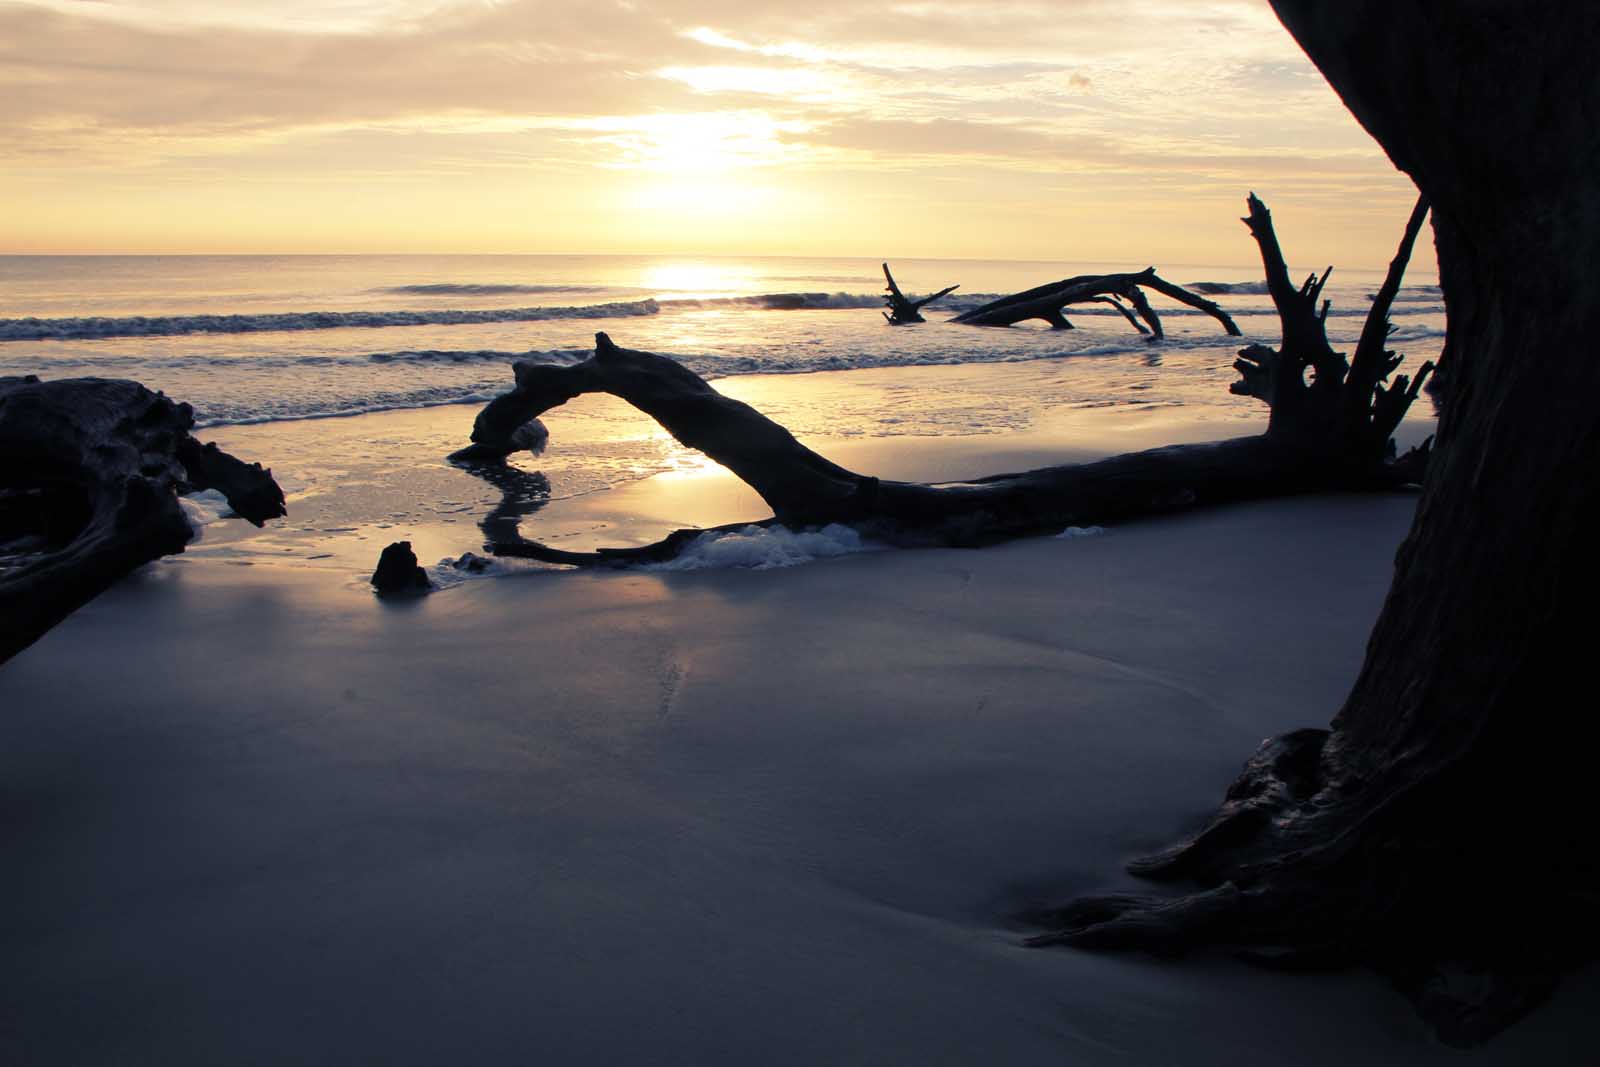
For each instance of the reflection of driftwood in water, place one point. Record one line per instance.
(1331, 434)
(1048, 302)
(521, 494)
(902, 309)
(90, 472)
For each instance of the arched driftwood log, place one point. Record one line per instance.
(1442, 829)
(1332, 433)
(1048, 302)
(90, 472)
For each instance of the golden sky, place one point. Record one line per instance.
(1085, 130)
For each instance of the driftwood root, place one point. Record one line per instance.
(90, 472)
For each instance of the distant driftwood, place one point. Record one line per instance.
(1048, 302)
(90, 473)
(1333, 432)
(902, 309)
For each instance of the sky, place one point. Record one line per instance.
(1084, 130)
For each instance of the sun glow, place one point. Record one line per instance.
(698, 167)
(693, 279)
(713, 142)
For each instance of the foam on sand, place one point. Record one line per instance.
(765, 547)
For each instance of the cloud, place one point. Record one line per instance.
(1189, 93)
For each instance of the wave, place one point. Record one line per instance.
(422, 398)
(1222, 288)
(171, 325)
(79, 329)
(780, 301)
(484, 355)
(495, 289)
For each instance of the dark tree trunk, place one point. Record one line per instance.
(1441, 830)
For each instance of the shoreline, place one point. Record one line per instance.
(614, 477)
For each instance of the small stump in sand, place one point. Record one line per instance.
(399, 573)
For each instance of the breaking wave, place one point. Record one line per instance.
(780, 301)
(491, 289)
(78, 329)
(171, 325)
(1222, 288)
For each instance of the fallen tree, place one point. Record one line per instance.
(90, 473)
(902, 309)
(1441, 830)
(1049, 302)
(1332, 432)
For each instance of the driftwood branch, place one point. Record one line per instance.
(1351, 400)
(1300, 452)
(1292, 865)
(90, 472)
(902, 309)
(1049, 302)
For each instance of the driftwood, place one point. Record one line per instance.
(1329, 434)
(1048, 302)
(90, 472)
(1441, 829)
(902, 309)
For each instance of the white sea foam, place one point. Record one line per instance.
(203, 508)
(469, 566)
(766, 547)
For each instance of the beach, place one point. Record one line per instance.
(731, 815)
(789, 799)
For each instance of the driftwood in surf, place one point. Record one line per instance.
(902, 309)
(90, 473)
(1333, 433)
(1125, 292)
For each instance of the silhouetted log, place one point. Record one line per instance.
(90, 472)
(1048, 302)
(1303, 451)
(1442, 830)
(902, 309)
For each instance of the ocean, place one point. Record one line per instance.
(261, 344)
(250, 339)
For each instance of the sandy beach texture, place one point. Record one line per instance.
(254, 816)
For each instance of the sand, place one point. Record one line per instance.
(254, 815)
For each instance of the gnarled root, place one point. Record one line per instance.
(1307, 865)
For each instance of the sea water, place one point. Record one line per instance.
(259, 341)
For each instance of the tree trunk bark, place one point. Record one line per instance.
(1440, 831)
